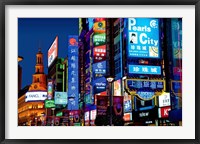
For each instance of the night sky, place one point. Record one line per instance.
(41, 32)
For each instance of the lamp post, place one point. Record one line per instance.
(53, 114)
(110, 80)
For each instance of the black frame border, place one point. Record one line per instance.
(3, 4)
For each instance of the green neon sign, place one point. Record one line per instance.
(49, 104)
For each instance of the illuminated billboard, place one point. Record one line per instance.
(117, 88)
(60, 97)
(73, 75)
(35, 96)
(99, 53)
(99, 85)
(99, 69)
(50, 90)
(143, 37)
(99, 39)
(164, 100)
(144, 69)
(53, 51)
(93, 114)
(176, 27)
(49, 104)
(99, 27)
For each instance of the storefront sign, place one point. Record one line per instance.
(164, 112)
(177, 71)
(59, 113)
(127, 104)
(144, 69)
(60, 97)
(93, 114)
(164, 100)
(176, 86)
(118, 105)
(73, 74)
(143, 37)
(53, 52)
(49, 104)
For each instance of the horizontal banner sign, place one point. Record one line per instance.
(35, 96)
(144, 69)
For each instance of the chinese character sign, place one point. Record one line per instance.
(53, 51)
(176, 38)
(143, 37)
(73, 90)
(144, 69)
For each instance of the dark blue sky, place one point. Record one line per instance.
(41, 32)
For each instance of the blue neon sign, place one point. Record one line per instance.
(143, 37)
(144, 69)
(73, 76)
(99, 85)
(99, 69)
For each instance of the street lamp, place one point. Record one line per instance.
(53, 114)
(110, 80)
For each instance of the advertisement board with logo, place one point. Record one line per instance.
(99, 69)
(99, 27)
(117, 88)
(99, 85)
(49, 104)
(144, 69)
(164, 112)
(143, 37)
(35, 96)
(53, 51)
(99, 53)
(99, 39)
(73, 74)
(60, 97)
(164, 100)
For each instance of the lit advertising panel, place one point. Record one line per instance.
(99, 69)
(127, 104)
(99, 27)
(99, 85)
(35, 96)
(144, 69)
(164, 100)
(49, 104)
(87, 114)
(164, 112)
(127, 117)
(99, 39)
(50, 89)
(176, 38)
(53, 51)
(143, 37)
(117, 88)
(118, 105)
(102, 104)
(143, 104)
(177, 71)
(60, 97)
(145, 89)
(73, 78)
(99, 53)
(93, 114)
